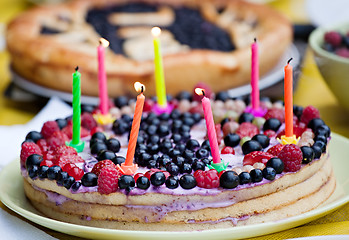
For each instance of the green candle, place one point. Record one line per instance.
(159, 71)
(76, 142)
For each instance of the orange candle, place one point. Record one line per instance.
(288, 98)
(135, 124)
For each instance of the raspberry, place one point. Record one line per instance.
(247, 129)
(68, 130)
(257, 156)
(150, 172)
(65, 150)
(138, 175)
(64, 159)
(108, 180)
(219, 133)
(42, 143)
(46, 162)
(68, 166)
(57, 139)
(277, 113)
(167, 174)
(292, 157)
(97, 168)
(76, 173)
(333, 38)
(96, 129)
(207, 179)
(87, 121)
(49, 128)
(343, 52)
(148, 105)
(309, 113)
(270, 133)
(27, 149)
(207, 89)
(275, 150)
(228, 150)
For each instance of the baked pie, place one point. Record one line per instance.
(202, 41)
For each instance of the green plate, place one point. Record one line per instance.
(12, 195)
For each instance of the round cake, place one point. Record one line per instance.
(176, 187)
(201, 41)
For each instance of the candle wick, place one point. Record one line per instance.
(100, 42)
(203, 92)
(289, 60)
(255, 40)
(142, 89)
(77, 68)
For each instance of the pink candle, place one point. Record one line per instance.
(211, 131)
(254, 75)
(102, 77)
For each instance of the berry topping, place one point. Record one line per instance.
(232, 140)
(34, 135)
(27, 149)
(277, 113)
(76, 172)
(229, 180)
(247, 129)
(269, 173)
(87, 121)
(187, 181)
(172, 182)
(157, 178)
(49, 128)
(42, 171)
(256, 175)
(97, 168)
(126, 182)
(257, 156)
(250, 146)
(207, 179)
(275, 150)
(64, 159)
(57, 139)
(228, 150)
(272, 124)
(333, 38)
(244, 177)
(246, 117)
(262, 139)
(308, 154)
(52, 172)
(142, 182)
(276, 163)
(309, 113)
(108, 180)
(292, 157)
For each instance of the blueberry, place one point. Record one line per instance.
(174, 152)
(173, 169)
(298, 111)
(144, 159)
(68, 182)
(276, 163)
(317, 151)
(185, 136)
(229, 180)
(153, 148)
(187, 181)
(52, 172)
(152, 164)
(87, 108)
(76, 186)
(224, 121)
(321, 144)
(120, 126)
(180, 147)
(232, 140)
(323, 130)
(186, 168)
(222, 96)
(34, 159)
(175, 114)
(206, 144)
(188, 121)
(272, 124)
(244, 177)
(202, 153)
(188, 155)
(157, 179)
(250, 146)
(178, 160)
(105, 154)
(198, 165)
(172, 182)
(34, 135)
(320, 138)
(192, 144)
(121, 101)
(95, 140)
(99, 135)
(246, 117)
(256, 175)
(151, 130)
(176, 137)
(126, 182)
(176, 125)
(89, 179)
(61, 177)
(164, 160)
(98, 147)
(164, 116)
(262, 139)
(153, 121)
(184, 95)
(163, 130)
(127, 119)
(61, 123)
(33, 171)
(315, 123)
(197, 117)
(113, 145)
(206, 161)
(143, 182)
(308, 154)
(184, 129)
(269, 173)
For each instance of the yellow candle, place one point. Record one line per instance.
(158, 69)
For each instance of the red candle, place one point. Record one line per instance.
(211, 130)
(102, 77)
(135, 124)
(254, 75)
(288, 98)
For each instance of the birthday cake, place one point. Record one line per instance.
(176, 186)
(201, 41)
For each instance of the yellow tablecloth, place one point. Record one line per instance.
(311, 90)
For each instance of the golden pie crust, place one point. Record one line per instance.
(49, 60)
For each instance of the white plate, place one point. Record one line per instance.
(271, 78)
(12, 195)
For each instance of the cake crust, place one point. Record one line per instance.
(49, 60)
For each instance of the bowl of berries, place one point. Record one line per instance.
(331, 52)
